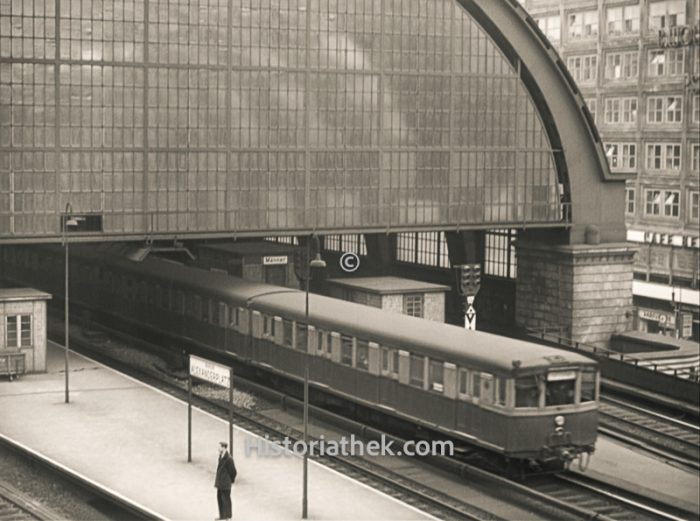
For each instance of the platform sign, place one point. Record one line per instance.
(275, 260)
(210, 371)
(214, 373)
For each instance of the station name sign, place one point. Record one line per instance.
(210, 371)
(680, 36)
(274, 260)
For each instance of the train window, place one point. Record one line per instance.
(302, 336)
(268, 326)
(287, 326)
(196, 307)
(320, 337)
(588, 385)
(362, 361)
(180, 303)
(436, 376)
(502, 386)
(559, 389)
(527, 391)
(150, 295)
(476, 384)
(385, 359)
(235, 318)
(416, 370)
(159, 296)
(463, 382)
(142, 293)
(346, 350)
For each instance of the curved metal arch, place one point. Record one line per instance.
(582, 167)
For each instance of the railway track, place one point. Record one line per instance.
(16, 506)
(562, 493)
(663, 435)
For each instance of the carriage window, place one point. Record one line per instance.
(346, 350)
(416, 370)
(362, 355)
(197, 307)
(319, 341)
(588, 385)
(235, 317)
(268, 326)
(527, 392)
(159, 296)
(502, 384)
(390, 361)
(436, 376)
(302, 336)
(560, 388)
(180, 303)
(287, 332)
(463, 387)
(476, 384)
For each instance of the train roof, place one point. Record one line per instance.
(435, 339)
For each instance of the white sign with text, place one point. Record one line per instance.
(211, 372)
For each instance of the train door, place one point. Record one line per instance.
(276, 275)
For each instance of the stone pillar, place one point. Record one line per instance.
(582, 292)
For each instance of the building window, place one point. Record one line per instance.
(621, 65)
(584, 69)
(550, 26)
(663, 156)
(667, 14)
(499, 253)
(694, 206)
(696, 108)
(354, 243)
(621, 110)
(621, 156)
(413, 305)
(18, 331)
(416, 371)
(623, 20)
(583, 25)
(672, 203)
(429, 248)
(629, 200)
(668, 62)
(653, 202)
(665, 109)
(592, 105)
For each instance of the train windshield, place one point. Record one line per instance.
(527, 392)
(560, 388)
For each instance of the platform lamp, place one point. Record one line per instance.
(305, 275)
(68, 220)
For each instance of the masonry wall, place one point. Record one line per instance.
(583, 292)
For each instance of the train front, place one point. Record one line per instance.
(555, 414)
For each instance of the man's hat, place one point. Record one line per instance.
(223, 444)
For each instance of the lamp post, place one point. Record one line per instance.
(67, 221)
(318, 262)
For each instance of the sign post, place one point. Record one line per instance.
(216, 374)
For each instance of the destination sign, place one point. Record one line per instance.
(272, 260)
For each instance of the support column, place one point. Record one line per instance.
(582, 292)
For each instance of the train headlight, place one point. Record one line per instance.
(559, 421)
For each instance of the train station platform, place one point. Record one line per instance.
(131, 440)
(644, 474)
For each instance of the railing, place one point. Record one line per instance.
(556, 335)
(12, 364)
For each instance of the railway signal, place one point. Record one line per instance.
(468, 284)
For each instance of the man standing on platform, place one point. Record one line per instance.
(225, 476)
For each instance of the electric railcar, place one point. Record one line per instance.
(522, 400)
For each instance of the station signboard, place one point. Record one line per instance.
(210, 371)
(275, 260)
